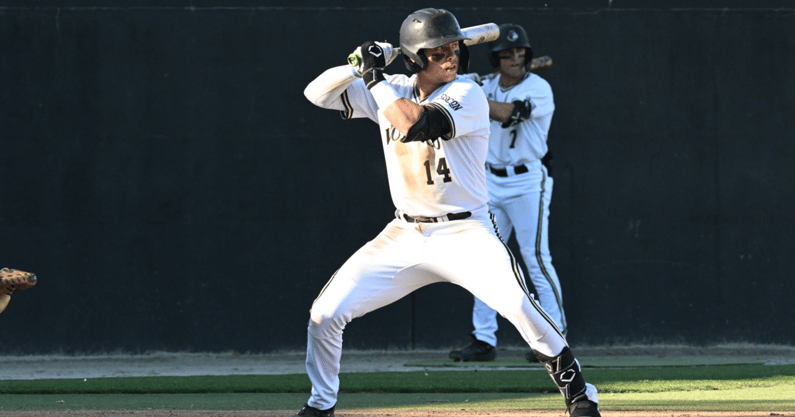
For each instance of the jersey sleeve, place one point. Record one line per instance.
(465, 106)
(541, 95)
(358, 102)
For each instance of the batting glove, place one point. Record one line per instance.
(521, 112)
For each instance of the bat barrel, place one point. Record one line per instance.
(486, 32)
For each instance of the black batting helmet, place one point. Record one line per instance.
(511, 36)
(426, 29)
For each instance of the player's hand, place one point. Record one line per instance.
(373, 63)
(390, 53)
(521, 112)
(356, 61)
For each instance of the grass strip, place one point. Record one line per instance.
(641, 380)
(587, 362)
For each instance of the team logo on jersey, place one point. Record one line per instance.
(455, 105)
(393, 135)
(512, 36)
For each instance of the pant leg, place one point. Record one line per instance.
(484, 318)
(471, 255)
(378, 274)
(529, 212)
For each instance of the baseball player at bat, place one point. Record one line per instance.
(518, 173)
(434, 129)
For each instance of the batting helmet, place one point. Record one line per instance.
(511, 36)
(426, 29)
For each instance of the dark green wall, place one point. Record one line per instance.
(164, 176)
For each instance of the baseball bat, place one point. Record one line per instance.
(475, 35)
(539, 63)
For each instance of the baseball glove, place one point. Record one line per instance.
(12, 280)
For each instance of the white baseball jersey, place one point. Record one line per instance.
(444, 176)
(525, 142)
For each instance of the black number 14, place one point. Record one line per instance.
(442, 170)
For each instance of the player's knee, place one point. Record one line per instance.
(513, 309)
(323, 321)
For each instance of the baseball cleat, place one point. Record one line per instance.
(585, 408)
(478, 351)
(309, 411)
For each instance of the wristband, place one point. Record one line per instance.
(372, 77)
(384, 95)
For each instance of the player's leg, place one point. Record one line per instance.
(475, 252)
(484, 318)
(369, 280)
(529, 212)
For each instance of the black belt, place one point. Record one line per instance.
(446, 218)
(502, 172)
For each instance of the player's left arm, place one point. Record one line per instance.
(537, 102)
(515, 111)
(459, 110)
(403, 114)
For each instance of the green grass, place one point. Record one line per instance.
(717, 388)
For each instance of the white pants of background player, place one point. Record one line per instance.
(404, 257)
(520, 202)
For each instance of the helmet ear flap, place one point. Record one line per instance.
(463, 59)
(414, 67)
(494, 59)
(528, 55)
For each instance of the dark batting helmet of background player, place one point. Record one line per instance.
(511, 36)
(430, 28)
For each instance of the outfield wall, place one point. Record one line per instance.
(164, 176)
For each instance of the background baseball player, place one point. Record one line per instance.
(520, 184)
(434, 131)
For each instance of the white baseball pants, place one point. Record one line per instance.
(407, 256)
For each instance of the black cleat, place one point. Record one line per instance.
(308, 411)
(585, 408)
(478, 351)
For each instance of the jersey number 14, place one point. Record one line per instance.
(441, 169)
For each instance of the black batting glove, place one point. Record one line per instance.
(521, 112)
(373, 64)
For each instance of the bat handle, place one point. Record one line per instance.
(355, 59)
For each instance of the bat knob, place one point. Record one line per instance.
(354, 60)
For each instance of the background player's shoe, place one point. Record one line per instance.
(585, 408)
(478, 351)
(308, 411)
(530, 356)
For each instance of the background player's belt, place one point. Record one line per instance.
(502, 172)
(446, 218)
